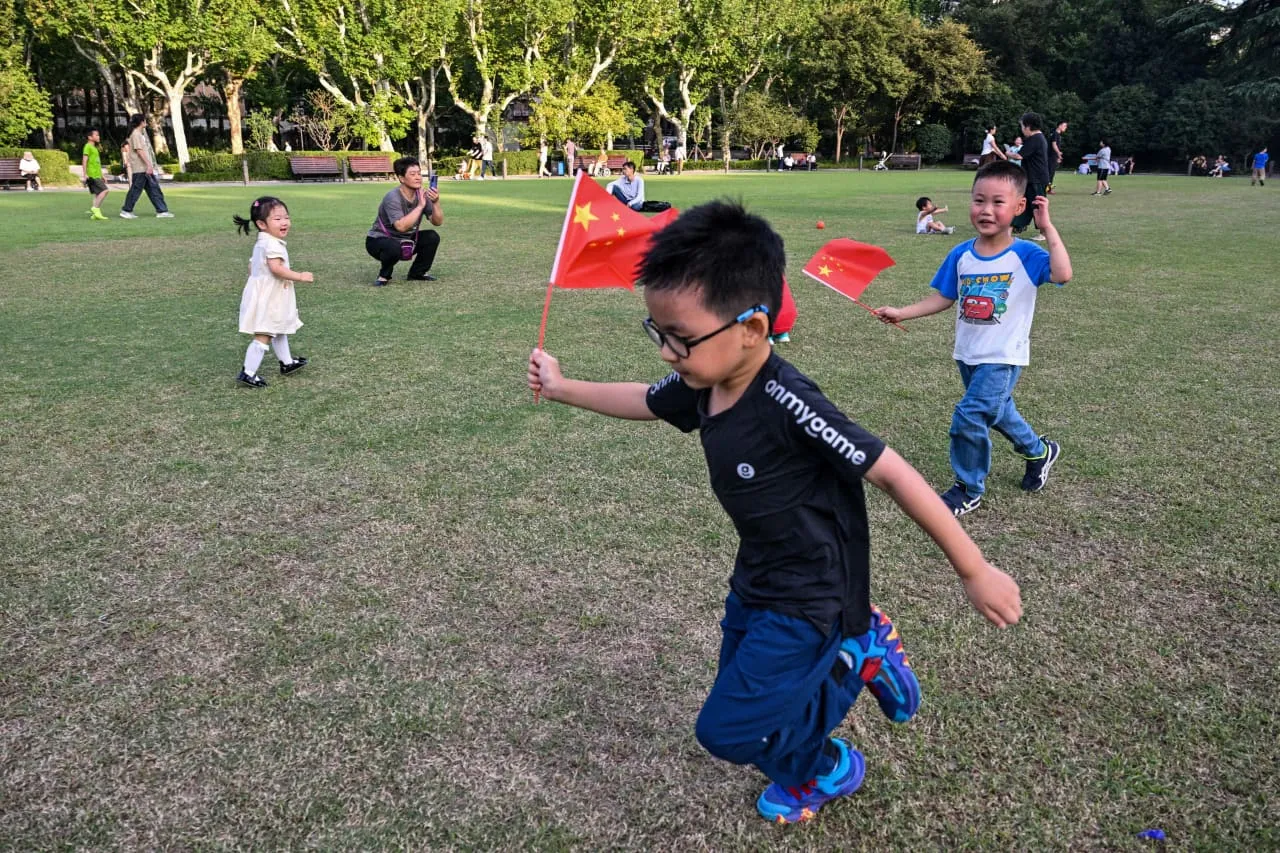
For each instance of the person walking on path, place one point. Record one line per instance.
(91, 168)
(142, 162)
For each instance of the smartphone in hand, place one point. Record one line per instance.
(434, 181)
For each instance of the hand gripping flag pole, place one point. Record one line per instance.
(601, 244)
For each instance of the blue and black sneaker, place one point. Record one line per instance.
(878, 659)
(1037, 473)
(959, 501)
(790, 805)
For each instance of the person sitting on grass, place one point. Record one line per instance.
(800, 637)
(29, 168)
(1220, 167)
(628, 189)
(925, 223)
(995, 278)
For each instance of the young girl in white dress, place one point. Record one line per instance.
(268, 308)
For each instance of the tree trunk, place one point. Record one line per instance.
(839, 114)
(897, 118)
(724, 128)
(231, 91)
(155, 121)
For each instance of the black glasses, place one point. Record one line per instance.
(681, 345)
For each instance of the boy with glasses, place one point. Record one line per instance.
(800, 636)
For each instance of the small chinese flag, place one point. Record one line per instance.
(787, 312)
(602, 242)
(847, 266)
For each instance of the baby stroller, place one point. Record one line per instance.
(883, 165)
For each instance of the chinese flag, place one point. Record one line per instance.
(787, 313)
(847, 266)
(602, 241)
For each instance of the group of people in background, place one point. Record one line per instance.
(141, 168)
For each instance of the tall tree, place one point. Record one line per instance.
(844, 56)
(501, 44)
(241, 39)
(936, 65)
(357, 51)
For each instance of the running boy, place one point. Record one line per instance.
(1260, 167)
(925, 223)
(91, 166)
(994, 277)
(800, 637)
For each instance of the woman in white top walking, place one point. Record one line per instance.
(268, 306)
(990, 150)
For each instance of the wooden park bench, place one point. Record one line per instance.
(614, 164)
(369, 167)
(970, 161)
(903, 161)
(317, 168)
(801, 160)
(10, 173)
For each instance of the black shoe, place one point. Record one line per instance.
(1107, 191)
(299, 362)
(380, 282)
(1038, 469)
(427, 277)
(958, 500)
(254, 381)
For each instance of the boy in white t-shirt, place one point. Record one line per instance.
(994, 278)
(925, 223)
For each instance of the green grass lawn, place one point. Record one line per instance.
(389, 603)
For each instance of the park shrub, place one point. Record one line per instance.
(933, 142)
(55, 166)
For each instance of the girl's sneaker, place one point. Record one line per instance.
(881, 663)
(789, 805)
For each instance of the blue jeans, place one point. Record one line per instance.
(151, 184)
(775, 700)
(987, 404)
(634, 205)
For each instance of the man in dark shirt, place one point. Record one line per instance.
(1055, 154)
(1035, 162)
(800, 636)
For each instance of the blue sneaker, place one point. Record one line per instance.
(790, 805)
(878, 659)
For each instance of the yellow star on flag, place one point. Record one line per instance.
(824, 270)
(622, 232)
(615, 217)
(583, 216)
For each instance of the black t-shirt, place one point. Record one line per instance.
(787, 466)
(1035, 159)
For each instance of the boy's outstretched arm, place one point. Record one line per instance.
(932, 304)
(991, 592)
(617, 399)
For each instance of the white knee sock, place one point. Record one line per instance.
(281, 345)
(253, 356)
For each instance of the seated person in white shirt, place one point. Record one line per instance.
(925, 223)
(629, 189)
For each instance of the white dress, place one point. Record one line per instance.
(269, 304)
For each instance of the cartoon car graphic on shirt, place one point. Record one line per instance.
(984, 298)
(978, 308)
